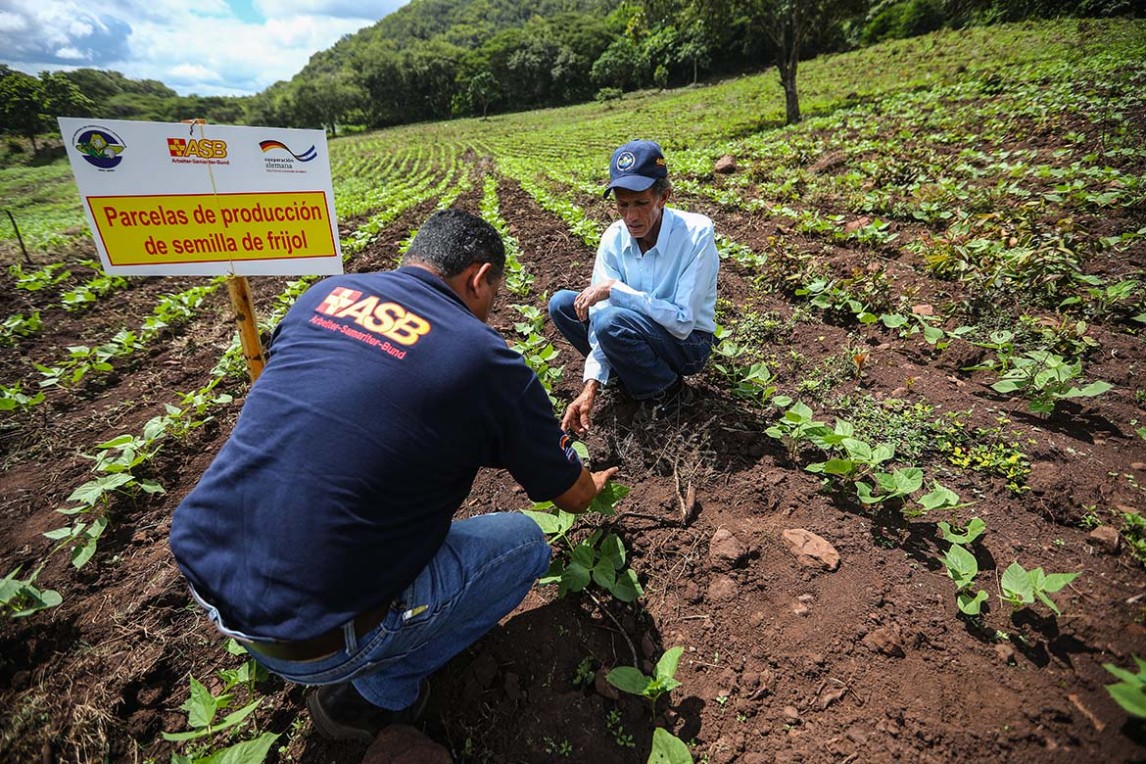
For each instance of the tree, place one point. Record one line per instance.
(324, 99)
(789, 25)
(431, 71)
(694, 48)
(20, 102)
(482, 91)
(681, 50)
(621, 65)
(60, 97)
(380, 73)
(531, 67)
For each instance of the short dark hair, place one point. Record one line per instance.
(451, 240)
(661, 186)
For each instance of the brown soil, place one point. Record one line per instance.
(782, 662)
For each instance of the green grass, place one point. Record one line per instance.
(44, 201)
(924, 84)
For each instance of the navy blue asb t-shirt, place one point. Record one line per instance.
(383, 397)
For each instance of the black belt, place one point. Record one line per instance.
(322, 646)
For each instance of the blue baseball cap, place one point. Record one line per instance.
(636, 166)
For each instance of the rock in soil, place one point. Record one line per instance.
(1006, 652)
(886, 641)
(726, 548)
(722, 589)
(811, 550)
(1105, 538)
(725, 165)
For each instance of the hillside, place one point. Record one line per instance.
(956, 207)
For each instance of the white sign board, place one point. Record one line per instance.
(205, 200)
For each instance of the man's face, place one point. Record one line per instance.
(488, 291)
(641, 211)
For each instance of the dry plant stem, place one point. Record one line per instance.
(603, 609)
(686, 500)
(1098, 723)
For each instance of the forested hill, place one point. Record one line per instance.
(435, 59)
(468, 23)
(439, 59)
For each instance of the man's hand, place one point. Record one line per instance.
(591, 297)
(578, 498)
(577, 416)
(603, 477)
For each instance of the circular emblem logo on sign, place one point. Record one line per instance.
(99, 146)
(626, 161)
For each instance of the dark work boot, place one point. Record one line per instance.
(339, 712)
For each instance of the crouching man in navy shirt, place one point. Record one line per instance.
(322, 536)
(647, 317)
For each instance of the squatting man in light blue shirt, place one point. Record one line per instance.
(648, 315)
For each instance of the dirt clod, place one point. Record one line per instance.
(725, 548)
(811, 550)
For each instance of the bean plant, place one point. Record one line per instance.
(601, 558)
(962, 566)
(636, 682)
(21, 597)
(202, 709)
(1130, 692)
(1043, 378)
(1020, 586)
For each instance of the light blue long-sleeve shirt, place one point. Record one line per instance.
(674, 283)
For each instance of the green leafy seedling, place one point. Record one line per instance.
(939, 497)
(1130, 693)
(20, 598)
(668, 749)
(1044, 379)
(634, 681)
(974, 530)
(1021, 586)
(897, 485)
(962, 567)
(601, 558)
(202, 707)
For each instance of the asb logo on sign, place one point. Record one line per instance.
(388, 319)
(199, 148)
(99, 146)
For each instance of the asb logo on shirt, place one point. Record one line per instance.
(388, 319)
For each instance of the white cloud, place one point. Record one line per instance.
(12, 22)
(201, 48)
(350, 9)
(68, 52)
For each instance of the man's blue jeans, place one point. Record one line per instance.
(641, 352)
(482, 572)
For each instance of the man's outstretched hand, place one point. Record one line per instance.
(603, 477)
(578, 417)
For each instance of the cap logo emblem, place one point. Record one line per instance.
(626, 161)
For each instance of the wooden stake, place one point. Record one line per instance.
(240, 291)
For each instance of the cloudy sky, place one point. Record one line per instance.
(208, 47)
